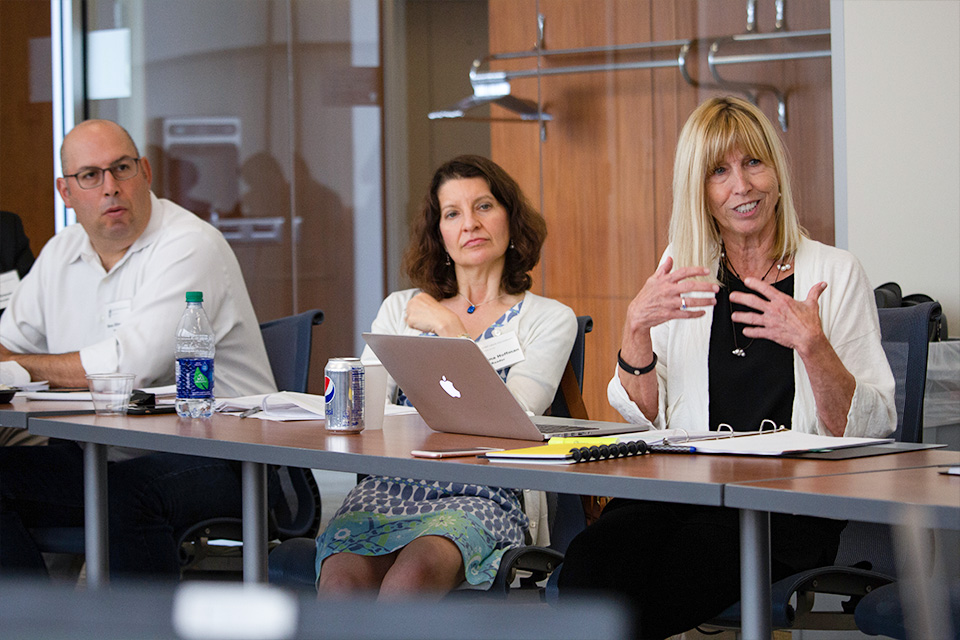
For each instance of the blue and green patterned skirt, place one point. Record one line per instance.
(381, 515)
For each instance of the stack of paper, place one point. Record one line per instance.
(289, 405)
(285, 405)
(782, 442)
(164, 395)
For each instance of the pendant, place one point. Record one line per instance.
(783, 267)
(471, 308)
(740, 353)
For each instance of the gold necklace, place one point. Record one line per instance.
(473, 307)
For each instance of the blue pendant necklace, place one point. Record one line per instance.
(473, 307)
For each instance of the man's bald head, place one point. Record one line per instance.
(92, 125)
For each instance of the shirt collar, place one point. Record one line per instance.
(89, 255)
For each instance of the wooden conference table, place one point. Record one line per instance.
(16, 413)
(736, 481)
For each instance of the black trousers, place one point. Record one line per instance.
(152, 499)
(679, 565)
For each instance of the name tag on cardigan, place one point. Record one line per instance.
(502, 351)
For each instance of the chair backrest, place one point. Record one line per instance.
(288, 341)
(888, 295)
(298, 512)
(584, 326)
(566, 511)
(904, 334)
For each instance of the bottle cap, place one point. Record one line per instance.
(194, 296)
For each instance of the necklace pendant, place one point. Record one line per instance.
(740, 353)
(471, 308)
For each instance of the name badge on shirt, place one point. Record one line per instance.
(116, 313)
(8, 282)
(502, 351)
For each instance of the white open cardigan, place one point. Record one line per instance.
(848, 314)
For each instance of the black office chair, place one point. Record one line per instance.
(288, 342)
(880, 613)
(292, 562)
(865, 560)
(888, 296)
(566, 517)
(904, 335)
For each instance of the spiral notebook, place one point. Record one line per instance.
(570, 453)
(780, 442)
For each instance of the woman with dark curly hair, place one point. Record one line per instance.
(472, 249)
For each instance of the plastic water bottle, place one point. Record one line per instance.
(195, 347)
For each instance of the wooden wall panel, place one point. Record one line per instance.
(607, 158)
(26, 128)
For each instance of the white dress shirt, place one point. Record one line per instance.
(125, 319)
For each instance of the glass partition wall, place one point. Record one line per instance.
(264, 118)
(302, 128)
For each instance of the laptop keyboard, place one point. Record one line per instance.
(564, 428)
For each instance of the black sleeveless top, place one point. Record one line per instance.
(746, 390)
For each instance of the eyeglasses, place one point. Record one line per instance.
(92, 177)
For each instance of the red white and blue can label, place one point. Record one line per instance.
(328, 389)
(343, 392)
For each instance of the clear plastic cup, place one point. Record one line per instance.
(110, 392)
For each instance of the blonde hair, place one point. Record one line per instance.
(714, 129)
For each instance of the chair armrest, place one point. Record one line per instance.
(538, 560)
(848, 581)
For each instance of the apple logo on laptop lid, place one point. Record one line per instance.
(448, 386)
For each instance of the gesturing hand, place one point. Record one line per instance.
(794, 324)
(664, 296)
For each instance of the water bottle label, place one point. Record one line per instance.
(195, 377)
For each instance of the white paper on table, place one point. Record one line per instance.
(231, 405)
(399, 410)
(782, 442)
(289, 405)
(169, 390)
(165, 395)
(284, 405)
(73, 396)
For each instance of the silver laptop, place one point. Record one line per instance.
(456, 390)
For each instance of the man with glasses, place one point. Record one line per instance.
(105, 295)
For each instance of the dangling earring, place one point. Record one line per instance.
(448, 259)
(511, 245)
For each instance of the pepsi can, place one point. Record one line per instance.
(343, 389)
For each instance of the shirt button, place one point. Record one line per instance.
(496, 331)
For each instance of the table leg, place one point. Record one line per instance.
(96, 535)
(755, 574)
(254, 477)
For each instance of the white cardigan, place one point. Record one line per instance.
(848, 314)
(545, 328)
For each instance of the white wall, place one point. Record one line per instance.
(896, 76)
